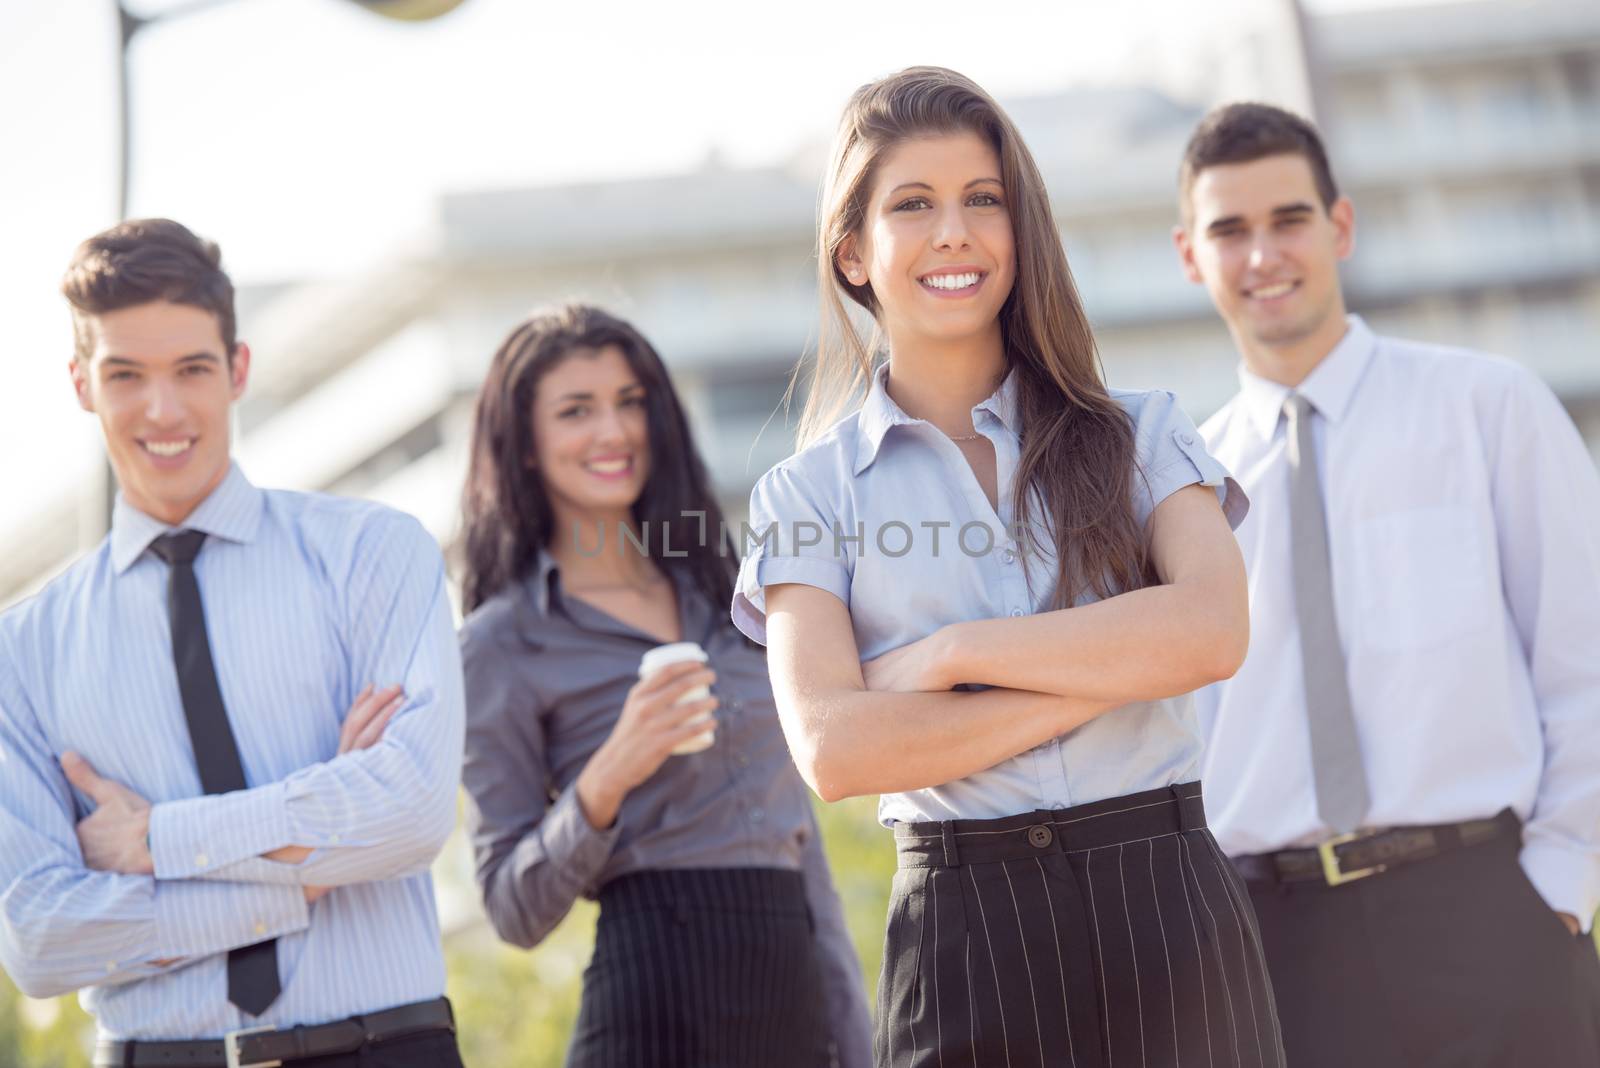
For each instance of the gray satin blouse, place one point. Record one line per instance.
(546, 679)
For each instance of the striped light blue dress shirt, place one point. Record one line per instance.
(307, 599)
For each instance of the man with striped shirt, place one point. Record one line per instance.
(231, 735)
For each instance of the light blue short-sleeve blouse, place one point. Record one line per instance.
(884, 512)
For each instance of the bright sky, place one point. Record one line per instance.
(309, 136)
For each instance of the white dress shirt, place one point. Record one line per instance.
(1464, 534)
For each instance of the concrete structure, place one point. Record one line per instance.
(1468, 135)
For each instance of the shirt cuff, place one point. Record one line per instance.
(568, 840)
(262, 870)
(197, 919)
(1568, 881)
(200, 834)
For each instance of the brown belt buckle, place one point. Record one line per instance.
(1331, 872)
(231, 1046)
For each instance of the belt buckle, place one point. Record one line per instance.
(230, 1043)
(1331, 872)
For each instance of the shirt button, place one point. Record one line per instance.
(757, 815)
(333, 839)
(201, 860)
(1017, 612)
(1039, 837)
(261, 928)
(1009, 556)
(111, 966)
(742, 760)
(1187, 439)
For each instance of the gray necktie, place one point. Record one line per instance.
(1341, 779)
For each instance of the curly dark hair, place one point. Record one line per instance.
(507, 517)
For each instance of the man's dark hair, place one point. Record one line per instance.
(141, 261)
(1244, 133)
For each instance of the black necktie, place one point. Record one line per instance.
(252, 970)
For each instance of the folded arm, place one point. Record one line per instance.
(1160, 641)
(377, 813)
(63, 926)
(842, 734)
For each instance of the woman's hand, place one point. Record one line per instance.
(920, 667)
(652, 724)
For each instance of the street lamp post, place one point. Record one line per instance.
(129, 24)
(95, 502)
(99, 492)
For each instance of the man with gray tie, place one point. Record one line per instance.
(1406, 770)
(231, 735)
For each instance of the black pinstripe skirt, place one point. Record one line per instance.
(1110, 935)
(712, 967)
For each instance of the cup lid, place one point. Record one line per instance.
(675, 653)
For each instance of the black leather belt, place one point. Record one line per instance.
(266, 1047)
(1355, 856)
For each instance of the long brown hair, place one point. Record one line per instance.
(508, 518)
(1078, 455)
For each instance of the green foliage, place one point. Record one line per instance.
(42, 1034)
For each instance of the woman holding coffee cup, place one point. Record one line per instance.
(622, 741)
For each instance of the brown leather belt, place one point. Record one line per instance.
(266, 1047)
(1349, 857)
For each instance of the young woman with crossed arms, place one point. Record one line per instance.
(1018, 702)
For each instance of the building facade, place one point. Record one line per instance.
(1467, 134)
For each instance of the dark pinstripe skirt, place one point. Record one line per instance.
(712, 967)
(1110, 935)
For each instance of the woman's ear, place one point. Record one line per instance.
(849, 262)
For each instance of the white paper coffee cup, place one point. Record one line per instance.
(676, 653)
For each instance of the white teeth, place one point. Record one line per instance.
(609, 467)
(952, 281)
(1268, 292)
(168, 448)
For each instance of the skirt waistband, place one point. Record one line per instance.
(775, 890)
(1114, 821)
